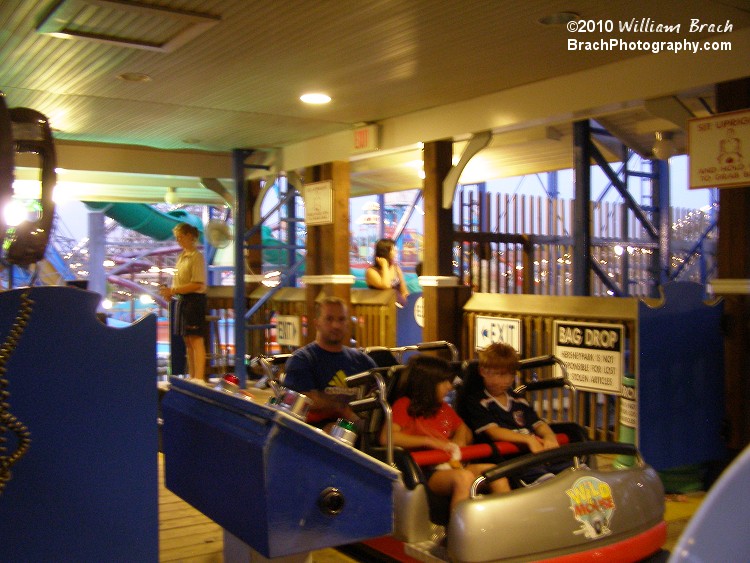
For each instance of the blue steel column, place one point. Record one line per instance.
(97, 253)
(291, 233)
(582, 209)
(625, 225)
(553, 191)
(240, 204)
(662, 220)
(381, 211)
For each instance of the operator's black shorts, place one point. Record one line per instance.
(190, 314)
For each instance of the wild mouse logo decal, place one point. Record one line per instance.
(593, 506)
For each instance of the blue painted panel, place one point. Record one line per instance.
(87, 490)
(407, 330)
(681, 379)
(259, 473)
(714, 532)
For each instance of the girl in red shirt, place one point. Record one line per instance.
(422, 419)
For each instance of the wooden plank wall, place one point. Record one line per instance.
(373, 313)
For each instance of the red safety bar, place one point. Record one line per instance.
(474, 451)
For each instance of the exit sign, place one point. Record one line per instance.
(365, 139)
(288, 330)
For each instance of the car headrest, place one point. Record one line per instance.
(382, 356)
(471, 380)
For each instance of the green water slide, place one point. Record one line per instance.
(146, 219)
(158, 225)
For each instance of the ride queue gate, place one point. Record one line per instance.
(277, 484)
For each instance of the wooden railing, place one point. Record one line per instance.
(373, 315)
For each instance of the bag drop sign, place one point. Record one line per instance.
(592, 354)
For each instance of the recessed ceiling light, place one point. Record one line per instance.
(559, 18)
(315, 98)
(134, 77)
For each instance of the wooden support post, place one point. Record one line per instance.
(582, 209)
(327, 265)
(240, 297)
(734, 266)
(443, 297)
(438, 222)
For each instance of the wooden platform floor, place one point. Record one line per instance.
(187, 536)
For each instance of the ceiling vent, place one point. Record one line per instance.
(127, 23)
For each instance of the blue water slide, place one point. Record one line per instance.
(54, 257)
(146, 219)
(53, 263)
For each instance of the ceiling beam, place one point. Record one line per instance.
(671, 109)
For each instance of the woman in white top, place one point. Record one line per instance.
(189, 291)
(385, 273)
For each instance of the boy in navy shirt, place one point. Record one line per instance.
(498, 414)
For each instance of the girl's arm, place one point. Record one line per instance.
(379, 279)
(500, 434)
(411, 441)
(463, 436)
(402, 280)
(545, 432)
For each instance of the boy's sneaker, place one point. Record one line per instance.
(541, 479)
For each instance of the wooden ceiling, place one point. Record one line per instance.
(203, 77)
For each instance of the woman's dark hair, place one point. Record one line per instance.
(423, 373)
(383, 250)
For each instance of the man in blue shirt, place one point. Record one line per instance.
(496, 413)
(319, 369)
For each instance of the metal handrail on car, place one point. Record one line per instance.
(266, 364)
(544, 361)
(399, 351)
(379, 398)
(568, 451)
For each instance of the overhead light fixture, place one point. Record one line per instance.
(664, 148)
(173, 27)
(316, 98)
(171, 196)
(559, 18)
(134, 77)
(15, 213)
